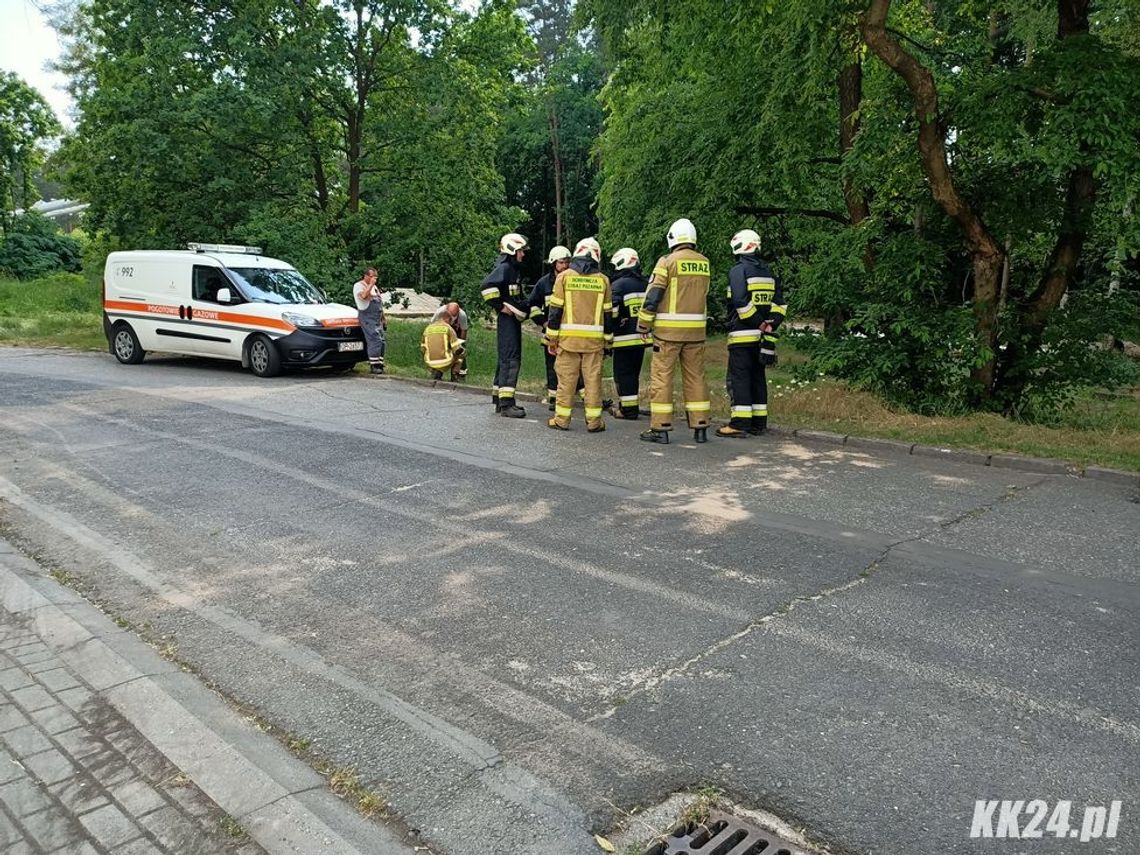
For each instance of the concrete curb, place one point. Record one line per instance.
(1041, 465)
(1020, 462)
(281, 802)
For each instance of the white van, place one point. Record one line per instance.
(227, 302)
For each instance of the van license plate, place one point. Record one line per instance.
(349, 345)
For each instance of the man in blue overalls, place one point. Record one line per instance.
(370, 310)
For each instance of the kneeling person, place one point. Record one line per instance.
(453, 315)
(443, 350)
(579, 330)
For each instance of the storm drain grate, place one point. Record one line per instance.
(723, 835)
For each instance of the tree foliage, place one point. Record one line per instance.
(33, 246)
(26, 124)
(335, 135)
(547, 153)
(934, 178)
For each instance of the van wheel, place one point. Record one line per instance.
(264, 360)
(125, 344)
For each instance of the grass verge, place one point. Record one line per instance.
(61, 310)
(1102, 429)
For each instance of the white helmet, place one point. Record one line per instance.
(558, 253)
(511, 243)
(625, 258)
(745, 242)
(682, 231)
(589, 246)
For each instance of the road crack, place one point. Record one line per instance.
(785, 609)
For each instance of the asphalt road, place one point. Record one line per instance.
(514, 634)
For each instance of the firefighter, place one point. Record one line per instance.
(559, 260)
(676, 312)
(453, 315)
(579, 331)
(442, 349)
(629, 345)
(503, 291)
(755, 310)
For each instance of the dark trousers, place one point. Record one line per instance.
(552, 378)
(373, 329)
(509, 335)
(747, 387)
(627, 378)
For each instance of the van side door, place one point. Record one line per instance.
(205, 326)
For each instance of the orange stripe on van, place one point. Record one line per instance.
(341, 322)
(161, 309)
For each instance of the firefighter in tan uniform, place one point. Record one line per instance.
(675, 310)
(443, 350)
(579, 331)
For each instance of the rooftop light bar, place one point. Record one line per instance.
(224, 247)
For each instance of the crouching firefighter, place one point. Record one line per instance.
(579, 331)
(443, 350)
(559, 260)
(755, 310)
(502, 290)
(676, 311)
(628, 286)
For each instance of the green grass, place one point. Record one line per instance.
(61, 310)
(1103, 429)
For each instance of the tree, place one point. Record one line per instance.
(299, 126)
(27, 123)
(929, 176)
(553, 126)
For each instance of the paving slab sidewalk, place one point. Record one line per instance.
(106, 747)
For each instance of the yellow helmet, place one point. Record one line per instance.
(558, 253)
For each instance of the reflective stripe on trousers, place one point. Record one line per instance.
(666, 355)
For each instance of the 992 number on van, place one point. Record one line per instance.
(126, 271)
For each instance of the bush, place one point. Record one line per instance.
(34, 247)
(1076, 353)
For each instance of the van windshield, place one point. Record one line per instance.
(272, 285)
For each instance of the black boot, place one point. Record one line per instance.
(759, 426)
(512, 411)
(658, 436)
(700, 434)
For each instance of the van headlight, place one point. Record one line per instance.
(299, 320)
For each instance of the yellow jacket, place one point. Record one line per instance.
(440, 345)
(676, 301)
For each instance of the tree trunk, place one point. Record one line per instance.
(1061, 270)
(985, 252)
(320, 180)
(850, 99)
(354, 131)
(556, 151)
